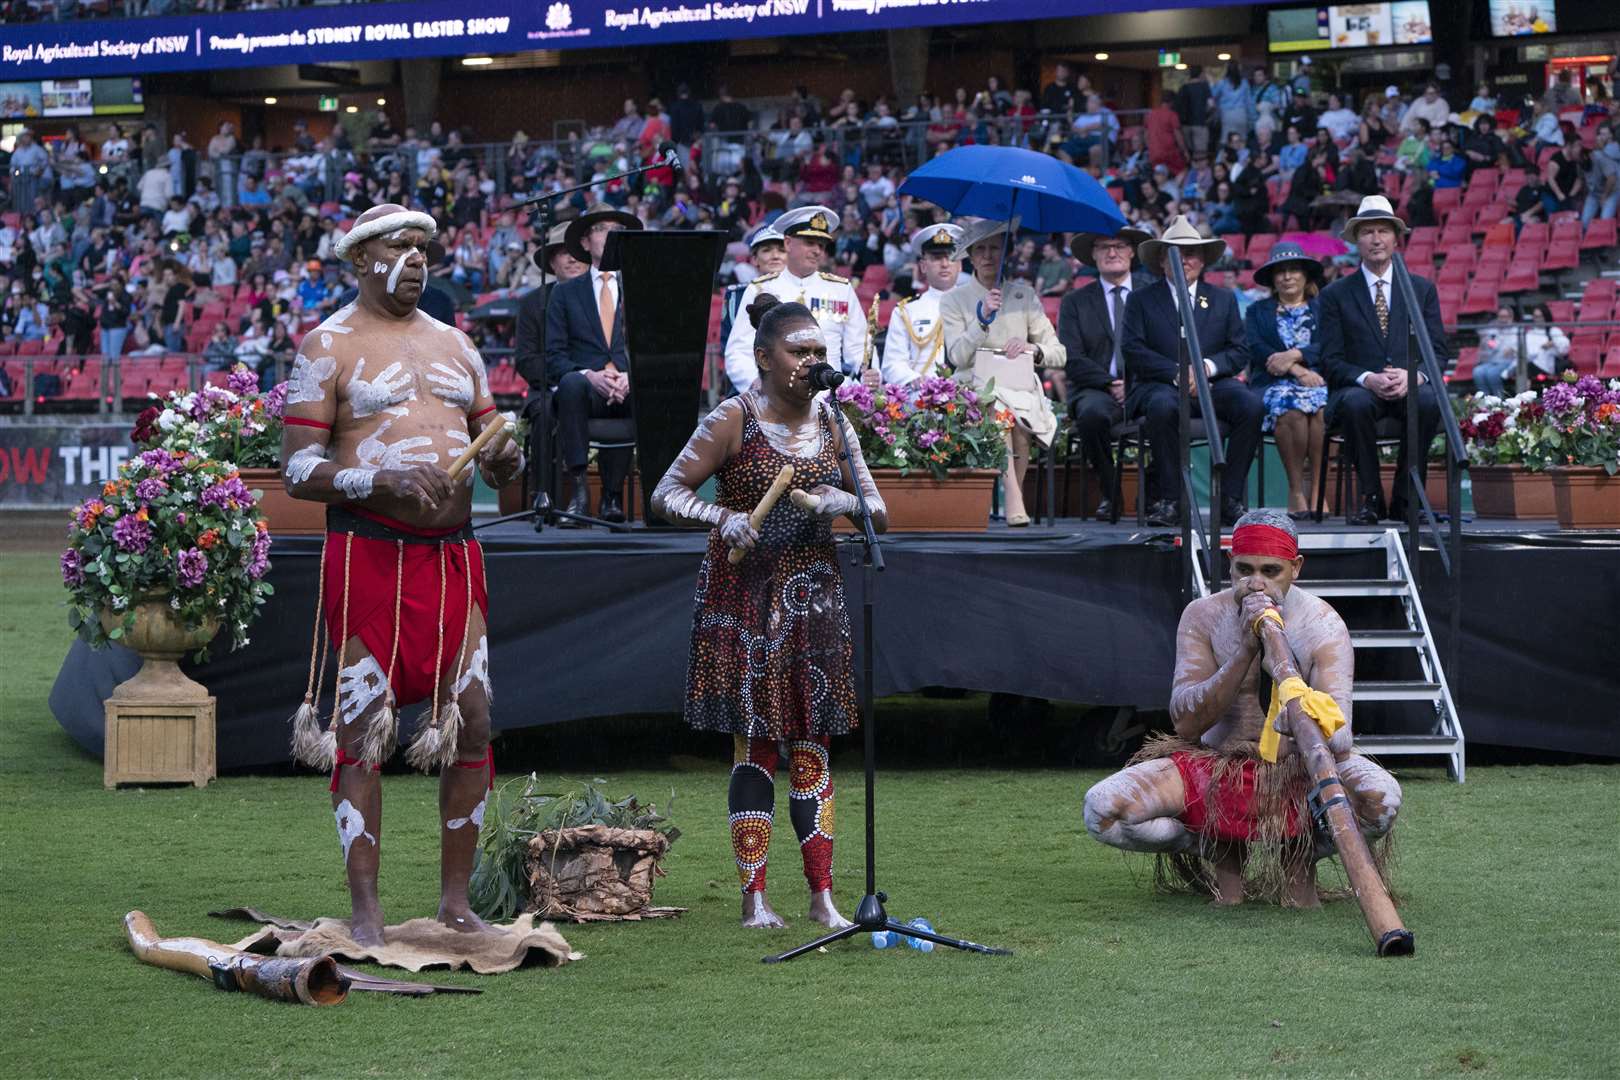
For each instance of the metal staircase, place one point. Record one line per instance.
(1431, 710)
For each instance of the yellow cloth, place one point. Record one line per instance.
(1318, 706)
(1270, 613)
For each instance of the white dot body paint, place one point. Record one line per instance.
(368, 397)
(399, 266)
(304, 461)
(304, 382)
(476, 818)
(351, 826)
(359, 685)
(355, 483)
(477, 668)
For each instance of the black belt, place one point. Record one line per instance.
(342, 520)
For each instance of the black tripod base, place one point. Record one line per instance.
(870, 918)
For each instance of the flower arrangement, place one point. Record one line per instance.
(175, 526)
(936, 424)
(234, 423)
(1502, 431)
(1580, 422)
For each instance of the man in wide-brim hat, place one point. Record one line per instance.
(1366, 335)
(574, 235)
(1151, 345)
(1090, 322)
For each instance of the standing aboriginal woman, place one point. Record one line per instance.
(771, 648)
(1003, 334)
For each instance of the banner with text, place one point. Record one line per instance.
(305, 35)
(46, 466)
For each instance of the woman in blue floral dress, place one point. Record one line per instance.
(1284, 363)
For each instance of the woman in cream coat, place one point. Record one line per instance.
(1002, 333)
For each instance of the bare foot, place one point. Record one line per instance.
(1228, 890)
(366, 924)
(460, 917)
(823, 912)
(756, 912)
(1300, 891)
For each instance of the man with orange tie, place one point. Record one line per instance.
(586, 359)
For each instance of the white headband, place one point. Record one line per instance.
(400, 219)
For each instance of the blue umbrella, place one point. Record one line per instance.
(1004, 182)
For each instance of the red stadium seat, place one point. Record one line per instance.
(1500, 235)
(1585, 357)
(1601, 234)
(1563, 311)
(1480, 299)
(1466, 358)
(1561, 255)
(1523, 275)
(1446, 200)
(1236, 244)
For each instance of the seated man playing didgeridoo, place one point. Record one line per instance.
(1221, 802)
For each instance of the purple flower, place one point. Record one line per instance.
(276, 400)
(132, 534)
(241, 381)
(180, 518)
(259, 560)
(227, 494)
(192, 566)
(928, 439)
(72, 567)
(150, 488)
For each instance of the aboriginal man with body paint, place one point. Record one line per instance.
(381, 399)
(1225, 806)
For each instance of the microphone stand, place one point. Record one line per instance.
(544, 512)
(870, 916)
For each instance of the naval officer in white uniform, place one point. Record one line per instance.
(915, 345)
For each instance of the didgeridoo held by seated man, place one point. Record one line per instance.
(1207, 800)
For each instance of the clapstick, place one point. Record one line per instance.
(497, 433)
(757, 518)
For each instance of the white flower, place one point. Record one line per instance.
(120, 603)
(174, 602)
(1480, 418)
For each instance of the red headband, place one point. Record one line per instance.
(1264, 540)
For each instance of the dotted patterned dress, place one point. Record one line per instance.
(771, 648)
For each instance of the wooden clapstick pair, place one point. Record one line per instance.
(777, 489)
(496, 432)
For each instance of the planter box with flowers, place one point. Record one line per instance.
(1580, 427)
(235, 423)
(935, 449)
(169, 553)
(1507, 460)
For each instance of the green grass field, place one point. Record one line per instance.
(1508, 883)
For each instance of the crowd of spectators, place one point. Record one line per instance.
(137, 234)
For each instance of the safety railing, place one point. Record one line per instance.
(1190, 365)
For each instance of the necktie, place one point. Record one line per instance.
(605, 307)
(1381, 306)
(1117, 364)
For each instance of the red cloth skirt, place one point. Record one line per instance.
(1228, 812)
(373, 570)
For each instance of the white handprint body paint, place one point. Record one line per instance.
(304, 383)
(452, 384)
(373, 453)
(460, 441)
(355, 483)
(336, 324)
(359, 684)
(351, 826)
(303, 461)
(477, 668)
(368, 397)
(476, 362)
(476, 817)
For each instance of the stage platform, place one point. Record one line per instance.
(591, 624)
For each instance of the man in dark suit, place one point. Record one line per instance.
(586, 358)
(1152, 348)
(529, 352)
(1091, 322)
(1365, 331)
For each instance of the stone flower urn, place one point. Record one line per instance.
(160, 722)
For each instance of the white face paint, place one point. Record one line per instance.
(303, 461)
(304, 383)
(369, 397)
(359, 685)
(379, 267)
(452, 385)
(476, 817)
(805, 335)
(351, 826)
(355, 483)
(477, 668)
(399, 267)
(375, 454)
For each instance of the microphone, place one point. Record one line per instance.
(672, 157)
(824, 377)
